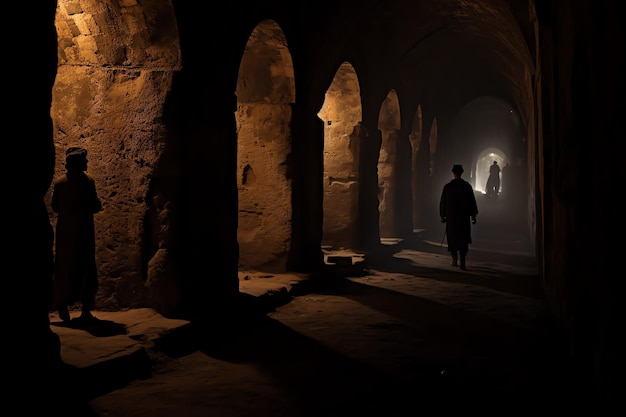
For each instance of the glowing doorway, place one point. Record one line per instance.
(483, 163)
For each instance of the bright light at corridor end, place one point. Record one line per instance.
(482, 170)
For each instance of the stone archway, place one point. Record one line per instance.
(341, 114)
(265, 94)
(389, 125)
(482, 164)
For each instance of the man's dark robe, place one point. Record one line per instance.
(493, 182)
(75, 200)
(458, 206)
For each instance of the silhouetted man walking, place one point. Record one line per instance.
(457, 208)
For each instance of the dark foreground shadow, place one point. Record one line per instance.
(448, 360)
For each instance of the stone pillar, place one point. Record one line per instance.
(403, 196)
(306, 172)
(423, 174)
(369, 236)
(31, 346)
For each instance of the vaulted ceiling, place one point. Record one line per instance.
(446, 52)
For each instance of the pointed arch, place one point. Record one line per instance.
(265, 94)
(389, 125)
(341, 113)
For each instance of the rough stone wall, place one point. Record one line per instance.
(264, 228)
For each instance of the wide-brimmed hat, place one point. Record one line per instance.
(457, 169)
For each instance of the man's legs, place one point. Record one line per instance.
(88, 298)
(463, 252)
(86, 312)
(64, 313)
(454, 257)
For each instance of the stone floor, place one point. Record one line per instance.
(441, 336)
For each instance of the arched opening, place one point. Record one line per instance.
(389, 126)
(418, 171)
(265, 92)
(482, 167)
(341, 113)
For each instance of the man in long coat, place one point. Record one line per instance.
(493, 182)
(75, 200)
(457, 208)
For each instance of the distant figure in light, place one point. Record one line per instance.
(493, 182)
(75, 200)
(457, 208)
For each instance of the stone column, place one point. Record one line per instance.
(305, 169)
(369, 236)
